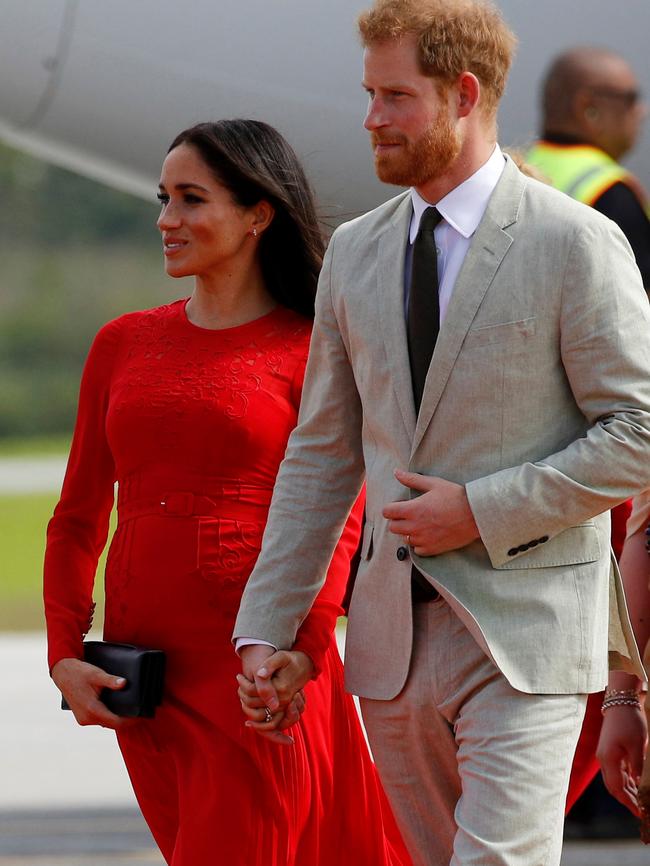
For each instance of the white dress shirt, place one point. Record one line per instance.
(462, 210)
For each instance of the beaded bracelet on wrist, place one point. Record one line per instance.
(621, 694)
(620, 702)
(620, 698)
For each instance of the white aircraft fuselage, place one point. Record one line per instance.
(103, 87)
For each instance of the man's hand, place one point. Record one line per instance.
(623, 740)
(275, 684)
(435, 522)
(253, 656)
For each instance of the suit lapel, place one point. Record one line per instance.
(487, 250)
(390, 282)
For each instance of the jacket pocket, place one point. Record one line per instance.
(576, 545)
(228, 549)
(503, 332)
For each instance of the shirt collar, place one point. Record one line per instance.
(464, 206)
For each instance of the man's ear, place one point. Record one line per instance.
(468, 90)
(585, 113)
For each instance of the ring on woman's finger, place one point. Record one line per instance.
(268, 717)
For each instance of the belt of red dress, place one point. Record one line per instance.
(184, 503)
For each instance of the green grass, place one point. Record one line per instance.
(22, 541)
(23, 521)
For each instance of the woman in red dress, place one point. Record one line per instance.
(189, 407)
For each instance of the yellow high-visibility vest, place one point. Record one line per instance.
(582, 171)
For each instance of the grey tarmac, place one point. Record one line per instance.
(31, 474)
(113, 837)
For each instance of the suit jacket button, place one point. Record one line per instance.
(523, 548)
(543, 539)
(533, 543)
(402, 553)
(513, 551)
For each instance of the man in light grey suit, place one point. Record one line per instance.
(533, 421)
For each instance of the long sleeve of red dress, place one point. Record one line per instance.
(78, 531)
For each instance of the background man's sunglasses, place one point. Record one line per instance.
(629, 98)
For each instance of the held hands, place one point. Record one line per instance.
(438, 520)
(81, 684)
(273, 680)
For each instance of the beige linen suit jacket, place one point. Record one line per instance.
(537, 399)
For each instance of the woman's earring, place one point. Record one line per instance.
(254, 233)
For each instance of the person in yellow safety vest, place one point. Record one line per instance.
(592, 116)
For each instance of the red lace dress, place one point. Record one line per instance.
(193, 424)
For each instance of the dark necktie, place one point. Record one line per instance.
(424, 309)
(422, 327)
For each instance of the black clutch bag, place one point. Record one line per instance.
(143, 670)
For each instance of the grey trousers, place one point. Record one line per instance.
(477, 772)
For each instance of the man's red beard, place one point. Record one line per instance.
(417, 162)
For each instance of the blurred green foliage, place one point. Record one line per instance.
(44, 205)
(23, 521)
(75, 255)
(35, 446)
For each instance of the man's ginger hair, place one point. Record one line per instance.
(453, 36)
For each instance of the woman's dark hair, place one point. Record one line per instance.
(253, 161)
